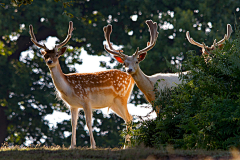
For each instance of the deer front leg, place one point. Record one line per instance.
(74, 115)
(88, 117)
(120, 108)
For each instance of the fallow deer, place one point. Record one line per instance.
(111, 88)
(145, 83)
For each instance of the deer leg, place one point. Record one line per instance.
(74, 115)
(88, 117)
(120, 108)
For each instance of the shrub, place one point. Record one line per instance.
(204, 111)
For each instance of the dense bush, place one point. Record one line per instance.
(204, 111)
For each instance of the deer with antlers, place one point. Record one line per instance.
(207, 50)
(145, 83)
(88, 91)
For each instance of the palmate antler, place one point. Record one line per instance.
(153, 38)
(107, 32)
(215, 44)
(34, 40)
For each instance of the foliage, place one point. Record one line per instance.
(202, 112)
(21, 2)
(140, 133)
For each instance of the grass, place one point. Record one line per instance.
(140, 153)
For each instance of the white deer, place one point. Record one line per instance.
(146, 83)
(88, 91)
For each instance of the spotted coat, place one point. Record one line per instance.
(118, 82)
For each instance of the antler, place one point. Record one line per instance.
(70, 29)
(192, 41)
(33, 38)
(153, 37)
(226, 37)
(107, 32)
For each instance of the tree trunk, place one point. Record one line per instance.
(3, 125)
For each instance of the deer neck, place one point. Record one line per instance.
(59, 79)
(144, 84)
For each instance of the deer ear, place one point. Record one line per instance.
(43, 52)
(142, 56)
(119, 59)
(62, 50)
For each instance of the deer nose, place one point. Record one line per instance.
(49, 61)
(129, 70)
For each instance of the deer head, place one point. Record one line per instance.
(51, 55)
(131, 63)
(205, 49)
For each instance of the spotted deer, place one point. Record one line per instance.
(111, 88)
(205, 49)
(145, 83)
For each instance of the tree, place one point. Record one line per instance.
(22, 98)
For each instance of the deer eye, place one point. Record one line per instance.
(56, 55)
(137, 62)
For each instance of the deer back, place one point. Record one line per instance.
(118, 82)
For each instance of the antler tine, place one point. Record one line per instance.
(153, 36)
(107, 32)
(70, 29)
(226, 36)
(229, 30)
(114, 52)
(33, 38)
(192, 41)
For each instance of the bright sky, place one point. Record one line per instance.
(90, 64)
